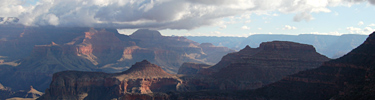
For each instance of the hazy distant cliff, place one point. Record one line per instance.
(329, 45)
(350, 77)
(249, 68)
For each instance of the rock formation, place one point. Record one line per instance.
(30, 55)
(332, 46)
(145, 80)
(348, 76)
(142, 78)
(252, 68)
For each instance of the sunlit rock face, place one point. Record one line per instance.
(145, 80)
(350, 77)
(142, 78)
(30, 55)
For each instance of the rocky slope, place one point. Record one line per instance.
(349, 76)
(30, 55)
(252, 68)
(141, 79)
(145, 80)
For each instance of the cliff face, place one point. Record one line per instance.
(141, 80)
(349, 77)
(174, 51)
(247, 69)
(30, 55)
(252, 68)
(143, 77)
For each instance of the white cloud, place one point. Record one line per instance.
(259, 28)
(360, 23)
(372, 24)
(127, 31)
(329, 33)
(368, 29)
(11, 8)
(287, 27)
(354, 30)
(248, 21)
(303, 16)
(245, 27)
(157, 14)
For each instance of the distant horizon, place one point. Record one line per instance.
(129, 32)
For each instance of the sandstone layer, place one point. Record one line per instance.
(145, 80)
(30, 55)
(142, 78)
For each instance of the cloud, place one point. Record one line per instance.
(303, 16)
(287, 27)
(156, 14)
(372, 1)
(372, 24)
(360, 23)
(329, 33)
(368, 29)
(245, 27)
(11, 8)
(354, 30)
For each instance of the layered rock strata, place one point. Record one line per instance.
(30, 55)
(141, 79)
(251, 68)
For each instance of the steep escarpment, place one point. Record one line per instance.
(145, 69)
(348, 77)
(142, 80)
(173, 51)
(143, 77)
(30, 55)
(252, 68)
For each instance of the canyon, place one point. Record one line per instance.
(92, 63)
(348, 77)
(30, 55)
(236, 71)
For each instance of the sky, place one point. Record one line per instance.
(200, 17)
